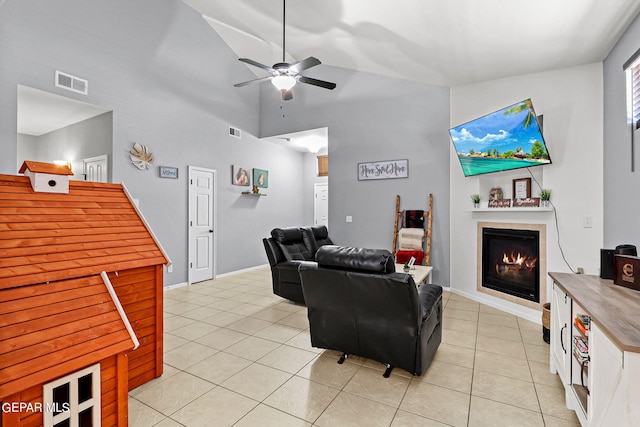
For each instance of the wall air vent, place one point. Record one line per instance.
(69, 82)
(234, 132)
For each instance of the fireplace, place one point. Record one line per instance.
(511, 261)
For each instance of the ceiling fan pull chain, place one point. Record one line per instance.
(284, 12)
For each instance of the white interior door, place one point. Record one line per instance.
(95, 169)
(201, 224)
(321, 204)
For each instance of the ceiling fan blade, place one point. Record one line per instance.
(287, 94)
(304, 64)
(253, 81)
(316, 82)
(257, 64)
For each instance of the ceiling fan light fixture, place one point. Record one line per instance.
(283, 82)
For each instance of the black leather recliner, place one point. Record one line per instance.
(357, 304)
(286, 249)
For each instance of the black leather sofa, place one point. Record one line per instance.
(357, 304)
(286, 249)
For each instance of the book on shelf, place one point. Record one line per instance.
(580, 345)
(584, 319)
(580, 327)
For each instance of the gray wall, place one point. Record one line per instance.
(373, 118)
(168, 78)
(621, 186)
(88, 138)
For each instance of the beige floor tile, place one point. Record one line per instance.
(265, 416)
(485, 413)
(303, 341)
(490, 310)
(290, 306)
(552, 402)
(225, 304)
(537, 353)
(175, 322)
(219, 407)
(407, 419)
(456, 313)
(506, 366)
(455, 355)
(288, 359)
(256, 381)
(302, 398)
(249, 325)
(188, 355)
(267, 299)
(457, 297)
(326, 370)
(504, 332)
(178, 307)
(463, 305)
(370, 384)
(447, 375)
(534, 337)
(459, 325)
(498, 320)
(550, 421)
(200, 299)
(381, 367)
(219, 367)
(141, 415)
(278, 333)
(461, 339)
(200, 313)
(226, 294)
(173, 393)
(167, 372)
(296, 320)
(244, 298)
(221, 339)
(167, 422)
(350, 410)
(505, 390)
(437, 403)
(500, 346)
(194, 330)
(172, 341)
(252, 348)
(541, 375)
(271, 314)
(528, 324)
(246, 309)
(223, 318)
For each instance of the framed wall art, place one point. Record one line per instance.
(168, 172)
(240, 175)
(385, 169)
(261, 178)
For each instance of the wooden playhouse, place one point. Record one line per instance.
(81, 278)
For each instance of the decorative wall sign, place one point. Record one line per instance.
(261, 178)
(240, 176)
(499, 203)
(386, 169)
(527, 202)
(168, 172)
(140, 156)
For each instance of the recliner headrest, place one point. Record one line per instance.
(287, 235)
(320, 231)
(362, 259)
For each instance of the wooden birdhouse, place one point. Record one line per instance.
(81, 299)
(47, 177)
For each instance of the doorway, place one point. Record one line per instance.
(321, 204)
(202, 231)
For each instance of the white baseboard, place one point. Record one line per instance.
(177, 285)
(244, 270)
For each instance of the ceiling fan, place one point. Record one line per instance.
(284, 75)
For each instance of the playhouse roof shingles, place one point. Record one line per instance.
(50, 329)
(46, 237)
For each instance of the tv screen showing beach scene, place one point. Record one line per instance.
(506, 139)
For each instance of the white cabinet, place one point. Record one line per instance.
(560, 354)
(607, 395)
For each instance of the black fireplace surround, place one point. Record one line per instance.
(511, 262)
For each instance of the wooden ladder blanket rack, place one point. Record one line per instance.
(399, 221)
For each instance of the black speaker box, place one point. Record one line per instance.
(606, 263)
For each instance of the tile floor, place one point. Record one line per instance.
(237, 355)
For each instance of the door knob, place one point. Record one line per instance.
(210, 231)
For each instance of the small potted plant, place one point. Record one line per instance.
(406, 267)
(545, 196)
(476, 200)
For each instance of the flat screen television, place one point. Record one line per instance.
(506, 139)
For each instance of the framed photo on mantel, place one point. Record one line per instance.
(521, 188)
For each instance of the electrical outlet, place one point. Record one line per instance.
(349, 218)
(587, 221)
(170, 269)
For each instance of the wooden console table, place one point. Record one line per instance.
(421, 273)
(604, 389)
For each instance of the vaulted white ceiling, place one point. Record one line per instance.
(443, 42)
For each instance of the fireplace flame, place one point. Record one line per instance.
(519, 260)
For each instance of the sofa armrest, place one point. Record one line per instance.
(429, 295)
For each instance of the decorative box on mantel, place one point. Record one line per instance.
(624, 272)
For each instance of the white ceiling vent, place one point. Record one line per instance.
(234, 132)
(76, 84)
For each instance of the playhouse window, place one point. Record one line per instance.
(74, 400)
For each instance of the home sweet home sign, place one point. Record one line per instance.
(386, 169)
